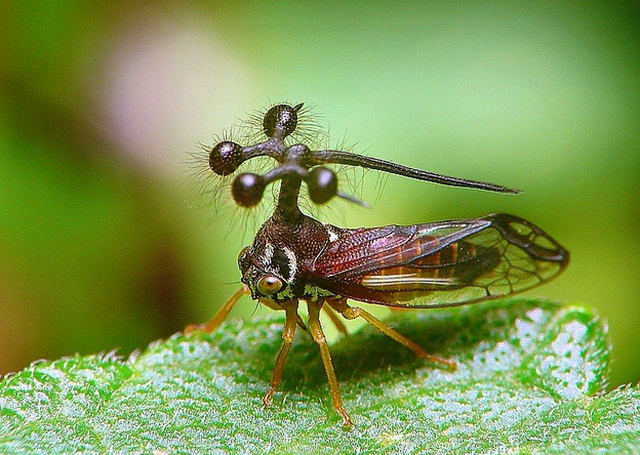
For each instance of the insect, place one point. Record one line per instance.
(295, 257)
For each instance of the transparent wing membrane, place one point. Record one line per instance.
(447, 263)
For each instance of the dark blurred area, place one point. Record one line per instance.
(100, 105)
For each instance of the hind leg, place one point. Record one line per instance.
(340, 305)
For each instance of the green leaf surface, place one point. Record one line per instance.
(530, 380)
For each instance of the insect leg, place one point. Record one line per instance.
(221, 314)
(276, 307)
(335, 319)
(340, 305)
(318, 336)
(291, 311)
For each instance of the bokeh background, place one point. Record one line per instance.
(103, 245)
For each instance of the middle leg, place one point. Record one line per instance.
(318, 336)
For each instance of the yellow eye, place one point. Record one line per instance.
(269, 285)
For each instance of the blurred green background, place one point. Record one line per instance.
(102, 245)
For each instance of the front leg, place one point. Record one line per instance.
(291, 311)
(221, 314)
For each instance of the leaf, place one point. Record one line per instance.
(530, 380)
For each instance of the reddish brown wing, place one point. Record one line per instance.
(438, 264)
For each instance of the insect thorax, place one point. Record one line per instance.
(285, 251)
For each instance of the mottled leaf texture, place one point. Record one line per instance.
(531, 379)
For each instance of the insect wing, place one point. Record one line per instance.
(439, 264)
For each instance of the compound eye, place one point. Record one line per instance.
(281, 120)
(269, 285)
(322, 184)
(225, 157)
(247, 189)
